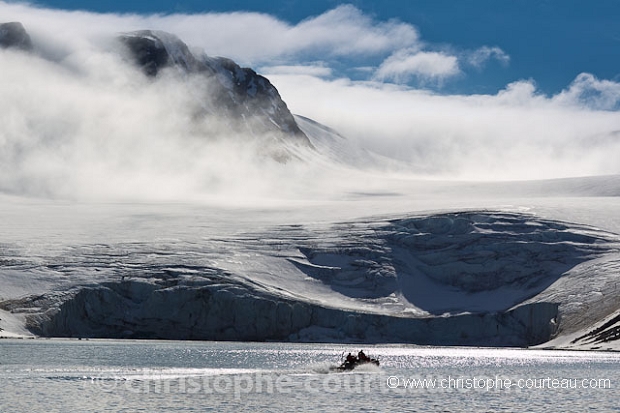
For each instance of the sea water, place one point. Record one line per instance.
(174, 376)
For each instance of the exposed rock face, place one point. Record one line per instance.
(149, 52)
(240, 94)
(13, 35)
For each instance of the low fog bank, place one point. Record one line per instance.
(518, 134)
(91, 125)
(95, 127)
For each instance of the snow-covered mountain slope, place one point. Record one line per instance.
(342, 151)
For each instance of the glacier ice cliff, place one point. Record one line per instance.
(214, 312)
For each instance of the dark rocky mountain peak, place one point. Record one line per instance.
(248, 100)
(154, 50)
(13, 35)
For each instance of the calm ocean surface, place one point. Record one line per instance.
(167, 376)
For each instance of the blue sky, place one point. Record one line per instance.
(550, 41)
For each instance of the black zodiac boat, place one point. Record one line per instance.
(351, 362)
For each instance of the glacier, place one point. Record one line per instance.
(342, 245)
(475, 277)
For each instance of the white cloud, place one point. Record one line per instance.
(346, 30)
(309, 70)
(261, 40)
(405, 64)
(431, 66)
(478, 58)
(522, 93)
(250, 38)
(589, 92)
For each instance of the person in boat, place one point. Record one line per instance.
(362, 357)
(351, 358)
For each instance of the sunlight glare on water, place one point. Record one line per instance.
(123, 376)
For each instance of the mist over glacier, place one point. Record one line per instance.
(92, 126)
